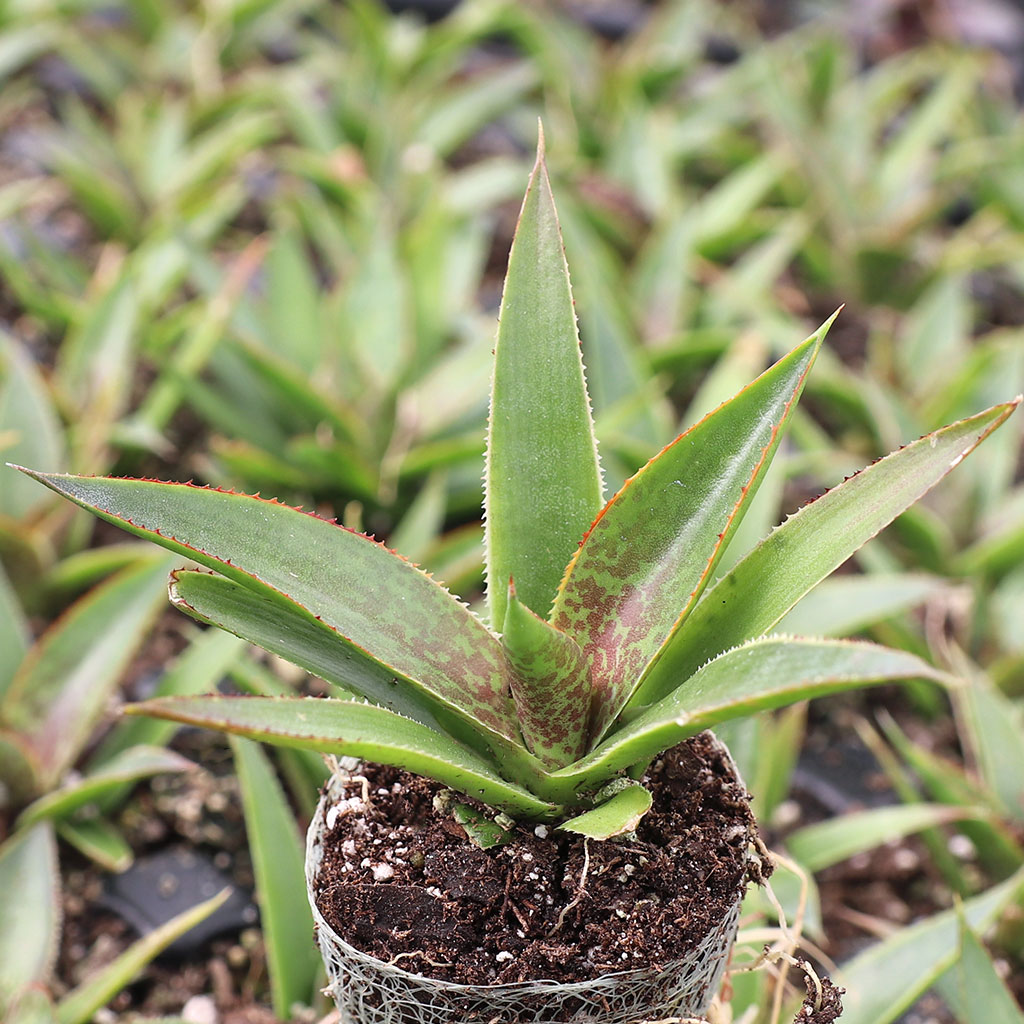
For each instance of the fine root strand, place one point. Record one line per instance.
(581, 892)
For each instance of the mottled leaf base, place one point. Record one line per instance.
(550, 684)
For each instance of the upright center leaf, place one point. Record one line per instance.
(543, 484)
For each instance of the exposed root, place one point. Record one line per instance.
(822, 1004)
(581, 892)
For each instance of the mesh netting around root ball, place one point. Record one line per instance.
(371, 991)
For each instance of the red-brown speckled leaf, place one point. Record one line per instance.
(652, 550)
(375, 599)
(550, 684)
(769, 580)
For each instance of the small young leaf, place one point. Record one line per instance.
(652, 550)
(751, 598)
(99, 840)
(615, 817)
(550, 684)
(543, 484)
(480, 829)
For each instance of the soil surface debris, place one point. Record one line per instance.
(401, 880)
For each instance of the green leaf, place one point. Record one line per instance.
(196, 670)
(61, 689)
(762, 674)
(29, 426)
(1001, 545)
(29, 909)
(376, 313)
(291, 632)
(86, 568)
(95, 365)
(615, 817)
(616, 372)
(647, 558)
(94, 361)
(277, 855)
(99, 840)
(422, 524)
(79, 1005)
(884, 980)
(353, 729)
(304, 771)
(543, 482)
(480, 829)
(127, 767)
(751, 598)
(376, 600)
(995, 725)
(999, 850)
(293, 301)
(33, 1006)
(19, 768)
(15, 635)
(934, 336)
(457, 113)
(821, 845)
(847, 604)
(973, 988)
(22, 43)
(550, 684)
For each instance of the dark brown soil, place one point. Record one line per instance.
(400, 878)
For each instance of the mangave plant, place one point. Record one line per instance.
(608, 637)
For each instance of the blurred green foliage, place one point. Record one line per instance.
(259, 243)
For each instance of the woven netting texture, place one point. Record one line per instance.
(371, 991)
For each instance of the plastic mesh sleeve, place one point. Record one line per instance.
(371, 991)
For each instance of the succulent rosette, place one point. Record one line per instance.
(608, 637)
